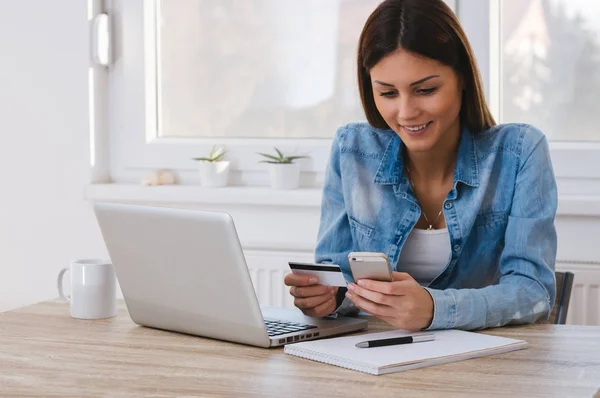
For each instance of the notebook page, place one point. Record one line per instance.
(447, 343)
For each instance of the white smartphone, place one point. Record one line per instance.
(370, 265)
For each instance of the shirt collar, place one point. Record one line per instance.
(466, 171)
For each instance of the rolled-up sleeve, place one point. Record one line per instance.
(526, 289)
(334, 240)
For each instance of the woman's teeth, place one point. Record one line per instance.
(417, 128)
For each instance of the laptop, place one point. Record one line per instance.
(184, 271)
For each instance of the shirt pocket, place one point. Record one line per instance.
(491, 219)
(362, 233)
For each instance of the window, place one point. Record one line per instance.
(247, 74)
(541, 64)
(261, 73)
(276, 69)
(550, 73)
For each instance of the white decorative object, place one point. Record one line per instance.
(214, 174)
(284, 175)
(283, 172)
(150, 179)
(165, 177)
(214, 171)
(158, 177)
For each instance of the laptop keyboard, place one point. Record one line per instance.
(276, 327)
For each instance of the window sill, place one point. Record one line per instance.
(568, 205)
(579, 205)
(179, 194)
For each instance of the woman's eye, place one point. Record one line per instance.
(426, 91)
(388, 94)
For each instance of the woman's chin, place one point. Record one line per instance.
(420, 144)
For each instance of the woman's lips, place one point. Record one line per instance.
(417, 130)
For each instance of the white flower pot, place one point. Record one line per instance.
(214, 174)
(284, 176)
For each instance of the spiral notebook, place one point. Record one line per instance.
(448, 346)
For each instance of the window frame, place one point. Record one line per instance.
(576, 163)
(134, 142)
(135, 148)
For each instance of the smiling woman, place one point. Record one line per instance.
(421, 110)
(463, 208)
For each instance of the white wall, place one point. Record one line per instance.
(44, 149)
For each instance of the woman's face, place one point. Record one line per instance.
(419, 98)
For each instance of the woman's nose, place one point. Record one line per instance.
(407, 109)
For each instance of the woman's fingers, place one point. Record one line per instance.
(323, 309)
(373, 296)
(309, 296)
(313, 301)
(369, 306)
(300, 280)
(309, 291)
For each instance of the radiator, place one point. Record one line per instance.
(584, 308)
(267, 270)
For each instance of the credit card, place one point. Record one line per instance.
(328, 274)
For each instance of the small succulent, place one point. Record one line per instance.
(280, 158)
(216, 154)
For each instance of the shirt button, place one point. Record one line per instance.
(456, 248)
(448, 205)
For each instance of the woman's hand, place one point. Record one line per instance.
(310, 297)
(403, 303)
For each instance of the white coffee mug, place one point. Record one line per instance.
(93, 289)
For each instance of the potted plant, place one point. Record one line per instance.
(283, 172)
(214, 171)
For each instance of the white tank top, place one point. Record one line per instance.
(425, 254)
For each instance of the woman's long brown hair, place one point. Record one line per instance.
(427, 28)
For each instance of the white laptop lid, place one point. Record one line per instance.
(182, 270)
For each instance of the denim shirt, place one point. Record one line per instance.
(499, 214)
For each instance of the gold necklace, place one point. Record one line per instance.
(431, 224)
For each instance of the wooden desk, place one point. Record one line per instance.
(44, 351)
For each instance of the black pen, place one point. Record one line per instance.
(396, 340)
